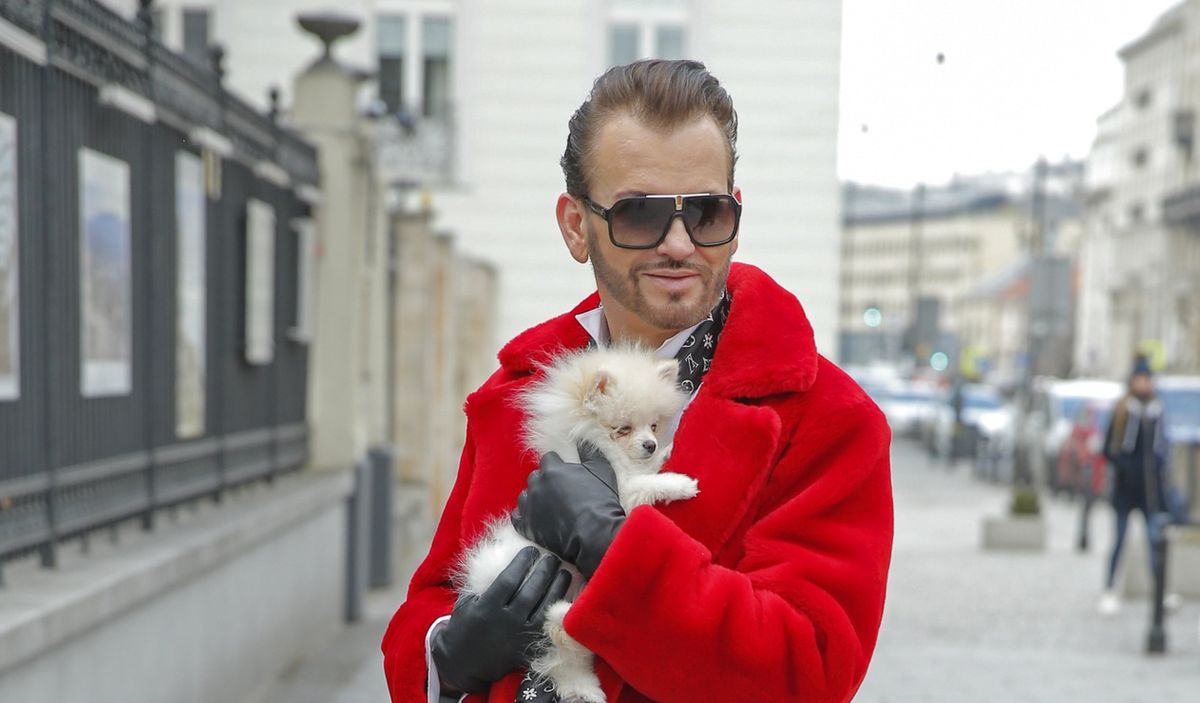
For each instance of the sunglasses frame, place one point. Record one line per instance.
(680, 199)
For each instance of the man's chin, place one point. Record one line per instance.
(674, 312)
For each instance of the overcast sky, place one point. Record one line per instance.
(1020, 78)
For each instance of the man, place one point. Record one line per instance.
(767, 586)
(1137, 449)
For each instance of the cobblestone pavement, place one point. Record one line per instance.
(965, 625)
(961, 624)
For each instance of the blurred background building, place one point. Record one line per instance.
(379, 185)
(471, 99)
(1141, 254)
(946, 268)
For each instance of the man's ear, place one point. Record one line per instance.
(570, 213)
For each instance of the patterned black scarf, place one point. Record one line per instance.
(696, 354)
(695, 357)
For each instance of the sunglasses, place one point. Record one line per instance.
(642, 222)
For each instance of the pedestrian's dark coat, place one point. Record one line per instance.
(768, 586)
(1134, 439)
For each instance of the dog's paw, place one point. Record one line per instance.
(673, 486)
(583, 690)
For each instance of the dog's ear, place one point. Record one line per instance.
(604, 379)
(602, 384)
(668, 369)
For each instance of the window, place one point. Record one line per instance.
(630, 40)
(1141, 157)
(415, 64)
(158, 19)
(622, 44)
(260, 282)
(1144, 98)
(393, 39)
(10, 304)
(191, 293)
(196, 34)
(669, 42)
(436, 34)
(306, 236)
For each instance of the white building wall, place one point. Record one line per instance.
(521, 67)
(779, 61)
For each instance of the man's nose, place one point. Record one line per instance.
(677, 244)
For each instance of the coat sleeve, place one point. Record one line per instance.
(430, 596)
(796, 616)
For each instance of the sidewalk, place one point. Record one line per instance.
(966, 625)
(348, 669)
(961, 625)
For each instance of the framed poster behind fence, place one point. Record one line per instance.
(190, 295)
(106, 305)
(260, 282)
(10, 303)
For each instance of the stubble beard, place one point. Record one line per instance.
(675, 315)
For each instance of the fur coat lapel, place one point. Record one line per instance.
(728, 437)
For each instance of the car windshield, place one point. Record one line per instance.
(912, 396)
(1182, 406)
(982, 400)
(1069, 406)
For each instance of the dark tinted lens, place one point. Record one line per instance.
(711, 218)
(639, 222)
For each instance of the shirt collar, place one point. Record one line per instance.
(596, 326)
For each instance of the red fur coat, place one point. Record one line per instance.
(768, 586)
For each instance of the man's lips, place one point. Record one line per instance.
(674, 281)
(672, 274)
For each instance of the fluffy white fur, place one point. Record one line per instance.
(615, 399)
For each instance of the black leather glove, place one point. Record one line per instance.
(490, 634)
(571, 509)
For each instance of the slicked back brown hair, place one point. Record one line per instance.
(659, 94)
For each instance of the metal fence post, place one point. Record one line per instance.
(145, 17)
(48, 550)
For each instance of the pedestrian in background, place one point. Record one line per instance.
(1136, 448)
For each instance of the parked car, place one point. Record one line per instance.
(1047, 424)
(985, 415)
(1081, 466)
(1181, 403)
(875, 379)
(909, 406)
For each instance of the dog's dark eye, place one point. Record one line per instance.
(654, 427)
(623, 430)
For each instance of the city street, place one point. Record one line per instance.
(966, 625)
(961, 624)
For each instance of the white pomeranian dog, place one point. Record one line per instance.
(616, 399)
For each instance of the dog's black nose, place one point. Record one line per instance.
(649, 445)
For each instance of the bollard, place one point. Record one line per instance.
(382, 486)
(1156, 640)
(357, 528)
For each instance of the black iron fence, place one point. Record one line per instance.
(152, 350)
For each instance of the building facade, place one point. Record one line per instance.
(493, 84)
(1141, 275)
(965, 246)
